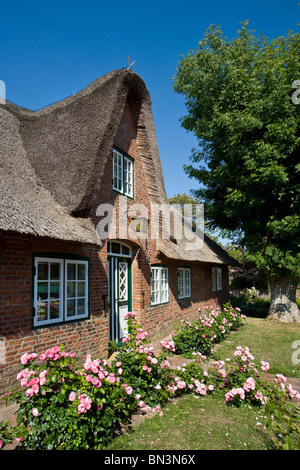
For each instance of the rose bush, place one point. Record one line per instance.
(211, 327)
(62, 406)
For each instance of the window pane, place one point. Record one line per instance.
(164, 285)
(71, 308)
(125, 250)
(54, 290)
(81, 289)
(71, 272)
(76, 289)
(115, 248)
(81, 272)
(128, 177)
(54, 271)
(42, 290)
(42, 271)
(155, 286)
(42, 311)
(81, 307)
(117, 171)
(214, 279)
(71, 289)
(48, 293)
(54, 309)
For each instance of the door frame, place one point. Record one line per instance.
(114, 303)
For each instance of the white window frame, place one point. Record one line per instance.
(184, 283)
(77, 297)
(217, 283)
(128, 177)
(62, 316)
(123, 176)
(160, 285)
(118, 171)
(120, 251)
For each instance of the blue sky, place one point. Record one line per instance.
(52, 49)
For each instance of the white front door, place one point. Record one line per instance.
(119, 287)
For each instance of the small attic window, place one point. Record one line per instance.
(122, 173)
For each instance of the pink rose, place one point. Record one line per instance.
(35, 412)
(96, 382)
(81, 408)
(25, 358)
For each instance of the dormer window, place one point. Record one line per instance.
(122, 173)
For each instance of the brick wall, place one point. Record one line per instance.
(16, 333)
(159, 320)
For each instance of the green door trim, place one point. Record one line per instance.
(113, 294)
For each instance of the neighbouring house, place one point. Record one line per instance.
(80, 180)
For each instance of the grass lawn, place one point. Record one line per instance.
(268, 341)
(207, 423)
(198, 423)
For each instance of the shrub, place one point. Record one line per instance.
(63, 407)
(150, 376)
(244, 383)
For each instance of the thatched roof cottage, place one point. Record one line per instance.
(79, 181)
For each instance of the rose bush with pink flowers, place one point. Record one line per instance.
(243, 380)
(212, 327)
(62, 406)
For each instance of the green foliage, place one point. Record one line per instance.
(246, 385)
(284, 421)
(211, 327)
(148, 374)
(63, 407)
(238, 96)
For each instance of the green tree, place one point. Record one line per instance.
(182, 200)
(241, 106)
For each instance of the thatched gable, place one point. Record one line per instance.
(53, 160)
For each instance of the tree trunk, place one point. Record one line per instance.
(283, 300)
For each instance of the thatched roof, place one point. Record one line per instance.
(52, 161)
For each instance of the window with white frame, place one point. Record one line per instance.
(159, 285)
(184, 283)
(216, 279)
(61, 290)
(122, 173)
